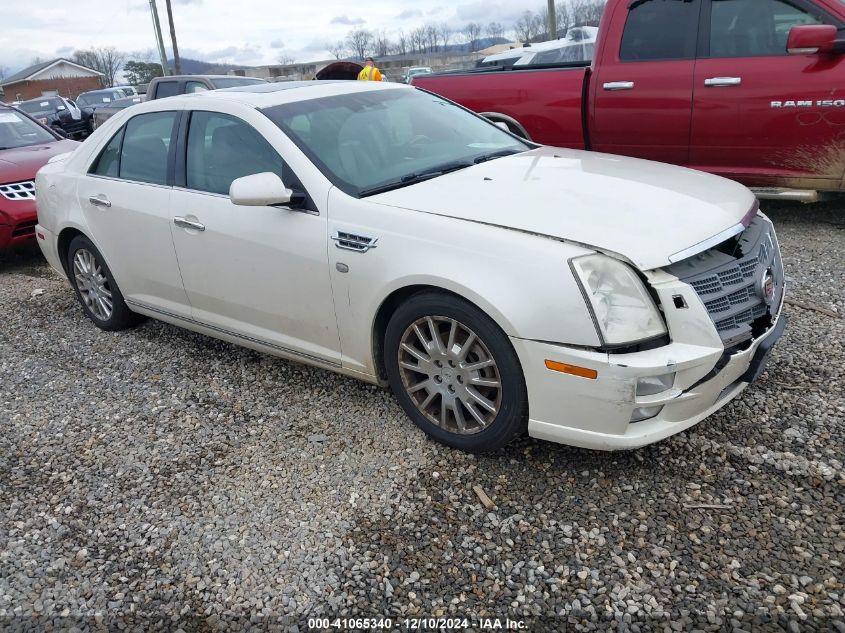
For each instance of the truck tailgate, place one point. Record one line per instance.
(547, 103)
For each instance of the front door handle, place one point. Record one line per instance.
(188, 224)
(723, 81)
(618, 85)
(99, 201)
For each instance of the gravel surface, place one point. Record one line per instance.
(162, 477)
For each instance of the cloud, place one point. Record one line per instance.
(407, 14)
(64, 50)
(342, 19)
(277, 44)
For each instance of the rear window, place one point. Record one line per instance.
(234, 82)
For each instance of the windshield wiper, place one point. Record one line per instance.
(412, 179)
(503, 152)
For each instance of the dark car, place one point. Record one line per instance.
(161, 87)
(109, 110)
(25, 146)
(96, 99)
(60, 114)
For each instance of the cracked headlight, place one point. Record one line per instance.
(622, 308)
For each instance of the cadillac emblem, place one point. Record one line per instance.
(766, 287)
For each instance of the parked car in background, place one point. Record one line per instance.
(415, 71)
(141, 89)
(104, 113)
(380, 231)
(578, 45)
(95, 99)
(60, 114)
(128, 90)
(25, 146)
(750, 90)
(161, 87)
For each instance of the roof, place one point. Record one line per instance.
(271, 94)
(28, 72)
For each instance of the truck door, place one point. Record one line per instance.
(642, 88)
(761, 115)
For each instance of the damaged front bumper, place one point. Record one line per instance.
(600, 413)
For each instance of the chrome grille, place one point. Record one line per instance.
(730, 284)
(18, 190)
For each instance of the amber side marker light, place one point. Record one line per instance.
(574, 370)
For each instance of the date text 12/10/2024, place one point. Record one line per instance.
(416, 624)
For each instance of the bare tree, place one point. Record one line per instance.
(586, 12)
(337, 49)
(495, 30)
(286, 59)
(359, 41)
(381, 43)
(564, 18)
(471, 33)
(527, 27)
(401, 44)
(418, 39)
(431, 37)
(106, 60)
(445, 32)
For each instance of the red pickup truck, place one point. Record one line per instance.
(753, 90)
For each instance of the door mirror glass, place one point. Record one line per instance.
(259, 190)
(810, 39)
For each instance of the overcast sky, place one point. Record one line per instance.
(249, 32)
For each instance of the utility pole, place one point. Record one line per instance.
(552, 20)
(159, 42)
(176, 61)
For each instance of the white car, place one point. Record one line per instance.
(385, 233)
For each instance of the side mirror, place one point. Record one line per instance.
(809, 39)
(259, 190)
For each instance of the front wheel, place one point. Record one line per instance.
(95, 287)
(455, 372)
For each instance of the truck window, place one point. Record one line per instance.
(167, 89)
(660, 29)
(751, 28)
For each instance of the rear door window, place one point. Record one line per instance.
(167, 89)
(146, 146)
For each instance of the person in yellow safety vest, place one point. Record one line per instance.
(369, 72)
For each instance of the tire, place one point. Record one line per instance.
(96, 289)
(449, 390)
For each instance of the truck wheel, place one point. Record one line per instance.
(455, 373)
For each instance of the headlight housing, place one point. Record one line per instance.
(622, 308)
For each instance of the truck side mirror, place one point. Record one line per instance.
(810, 39)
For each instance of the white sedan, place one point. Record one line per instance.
(388, 234)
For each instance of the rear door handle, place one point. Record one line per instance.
(618, 85)
(188, 224)
(723, 81)
(99, 201)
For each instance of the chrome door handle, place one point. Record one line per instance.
(723, 81)
(99, 201)
(188, 224)
(618, 85)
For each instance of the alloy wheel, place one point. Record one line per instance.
(450, 374)
(92, 284)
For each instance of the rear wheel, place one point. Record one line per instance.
(96, 289)
(455, 373)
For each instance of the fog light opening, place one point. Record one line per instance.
(645, 413)
(652, 385)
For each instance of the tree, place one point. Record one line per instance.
(338, 49)
(141, 72)
(381, 43)
(359, 41)
(495, 30)
(431, 37)
(564, 18)
(401, 45)
(445, 32)
(586, 12)
(471, 33)
(418, 40)
(528, 26)
(106, 60)
(286, 59)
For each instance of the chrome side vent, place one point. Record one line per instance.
(352, 242)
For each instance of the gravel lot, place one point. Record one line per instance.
(159, 478)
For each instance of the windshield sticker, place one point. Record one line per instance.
(44, 104)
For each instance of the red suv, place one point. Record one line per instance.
(25, 146)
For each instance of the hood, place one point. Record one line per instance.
(21, 163)
(644, 211)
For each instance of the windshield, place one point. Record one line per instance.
(367, 141)
(18, 131)
(233, 82)
(40, 105)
